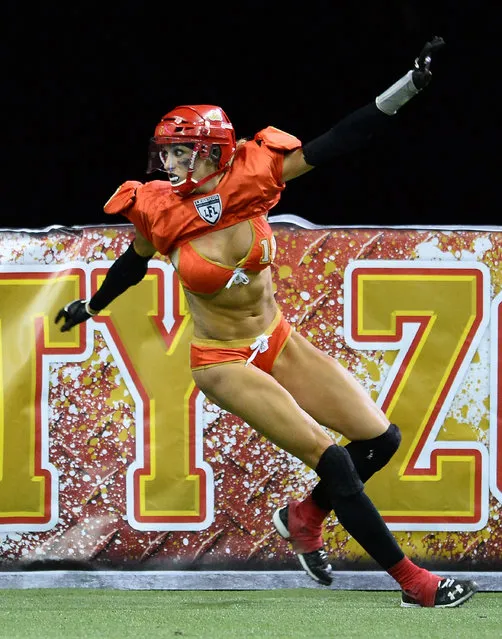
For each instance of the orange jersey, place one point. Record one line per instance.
(202, 275)
(249, 189)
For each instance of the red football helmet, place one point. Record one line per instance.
(202, 125)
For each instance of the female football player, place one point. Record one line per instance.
(210, 218)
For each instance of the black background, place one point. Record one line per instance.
(84, 85)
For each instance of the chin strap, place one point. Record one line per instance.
(188, 185)
(209, 177)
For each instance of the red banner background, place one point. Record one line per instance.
(110, 456)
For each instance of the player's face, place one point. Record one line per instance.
(177, 160)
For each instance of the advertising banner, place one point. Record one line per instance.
(110, 455)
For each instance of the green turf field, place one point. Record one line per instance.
(292, 613)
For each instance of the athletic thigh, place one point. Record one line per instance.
(257, 398)
(327, 391)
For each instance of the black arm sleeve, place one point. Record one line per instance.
(127, 270)
(350, 134)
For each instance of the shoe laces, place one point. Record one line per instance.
(323, 556)
(446, 583)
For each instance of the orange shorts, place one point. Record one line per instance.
(261, 351)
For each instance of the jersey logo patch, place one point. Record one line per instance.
(209, 208)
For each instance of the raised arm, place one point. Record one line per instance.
(127, 270)
(356, 129)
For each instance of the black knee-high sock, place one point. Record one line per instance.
(354, 509)
(358, 515)
(361, 519)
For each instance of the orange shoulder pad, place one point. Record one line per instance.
(277, 139)
(123, 198)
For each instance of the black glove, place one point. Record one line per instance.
(422, 75)
(74, 313)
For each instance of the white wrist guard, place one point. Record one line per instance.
(89, 310)
(397, 95)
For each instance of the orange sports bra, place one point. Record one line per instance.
(201, 275)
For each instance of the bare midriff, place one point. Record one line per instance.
(238, 312)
